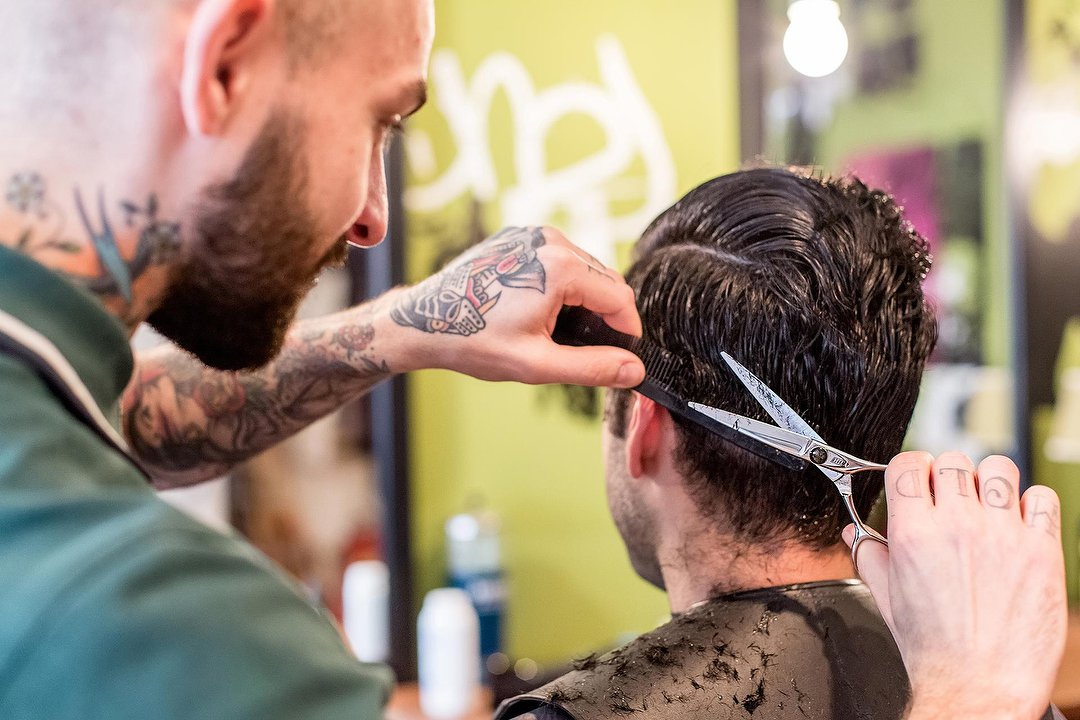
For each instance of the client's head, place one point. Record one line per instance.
(813, 284)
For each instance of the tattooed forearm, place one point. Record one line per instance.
(38, 227)
(188, 423)
(456, 300)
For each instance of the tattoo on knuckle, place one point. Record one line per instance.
(955, 478)
(997, 492)
(1044, 514)
(910, 483)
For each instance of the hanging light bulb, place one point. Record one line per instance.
(815, 42)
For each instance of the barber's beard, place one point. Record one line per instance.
(233, 298)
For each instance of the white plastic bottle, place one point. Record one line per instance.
(448, 640)
(365, 601)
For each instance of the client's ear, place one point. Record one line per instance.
(644, 435)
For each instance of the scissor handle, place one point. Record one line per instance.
(862, 530)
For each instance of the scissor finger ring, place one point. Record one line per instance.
(862, 534)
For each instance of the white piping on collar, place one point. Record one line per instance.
(41, 346)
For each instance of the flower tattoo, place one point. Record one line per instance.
(26, 192)
(354, 339)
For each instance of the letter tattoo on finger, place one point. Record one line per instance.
(1048, 512)
(908, 485)
(592, 264)
(962, 475)
(997, 492)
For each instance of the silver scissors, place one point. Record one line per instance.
(796, 437)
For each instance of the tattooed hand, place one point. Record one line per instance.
(972, 585)
(490, 313)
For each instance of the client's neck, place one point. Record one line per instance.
(709, 565)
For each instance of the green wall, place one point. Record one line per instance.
(536, 464)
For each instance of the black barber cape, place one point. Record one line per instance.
(818, 651)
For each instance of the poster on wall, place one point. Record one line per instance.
(940, 189)
(1043, 159)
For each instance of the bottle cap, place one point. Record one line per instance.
(448, 600)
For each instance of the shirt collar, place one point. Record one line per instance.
(93, 341)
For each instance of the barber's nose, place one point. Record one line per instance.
(372, 226)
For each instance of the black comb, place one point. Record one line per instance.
(579, 327)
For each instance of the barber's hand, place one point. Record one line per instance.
(972, 585)
(490, 312)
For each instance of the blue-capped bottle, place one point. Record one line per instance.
(474, 563)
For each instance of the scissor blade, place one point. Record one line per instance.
(783, 440)
(782, 414)
(777, 409)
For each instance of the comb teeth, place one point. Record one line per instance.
(666, 368)
(580, 327)
(660, 365)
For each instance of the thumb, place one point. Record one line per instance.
(872, 564)
(599, 366)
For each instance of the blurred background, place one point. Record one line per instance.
(596, 116)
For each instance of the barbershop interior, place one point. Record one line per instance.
(451, 523)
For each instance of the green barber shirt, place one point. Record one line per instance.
(114, 605)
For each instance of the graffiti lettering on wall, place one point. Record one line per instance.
(633, 169)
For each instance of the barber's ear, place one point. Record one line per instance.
(644, 434)
(220, 54)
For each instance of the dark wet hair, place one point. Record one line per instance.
(815, 284)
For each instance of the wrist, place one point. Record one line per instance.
(402, 349)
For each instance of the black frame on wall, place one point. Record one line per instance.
(381, 269)
(1021, 348)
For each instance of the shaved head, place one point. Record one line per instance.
(313, 28)
(74, 82)
(53, 47)
(59, 45)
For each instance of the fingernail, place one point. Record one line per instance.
(629, 375)
(848, 534)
